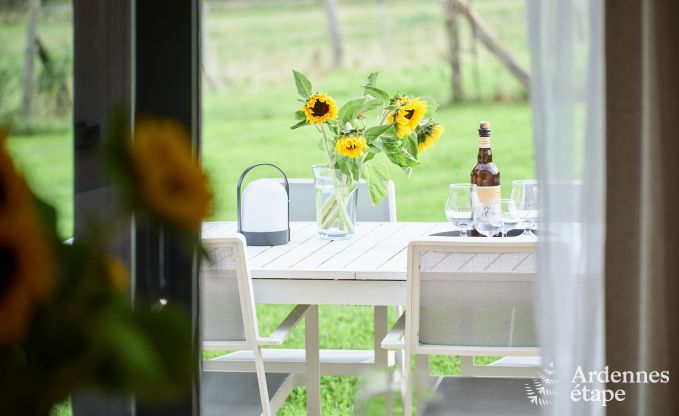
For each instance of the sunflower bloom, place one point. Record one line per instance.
(320, 107)
(117, 275)
(14, 193)
(170, 183)
(27, 273)
(407, 116)
(428, 135)
(351, 145)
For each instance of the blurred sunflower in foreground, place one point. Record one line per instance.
(171, 184)
(66, 315)
(27, 275)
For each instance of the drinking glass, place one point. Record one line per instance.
(510, 216)
(488, 218)
(459, 206)
(525, 196)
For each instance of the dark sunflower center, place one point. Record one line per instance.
(409, 114)
(174, 185)
(8, 268)
(320, 108)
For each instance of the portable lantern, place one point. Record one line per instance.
(263, 210)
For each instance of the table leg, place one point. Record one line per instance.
(380, 318)
(381, 314)
(313, 366)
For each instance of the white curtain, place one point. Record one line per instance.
(566, 39)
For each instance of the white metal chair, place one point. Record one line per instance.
(229, 322)
(469, 298)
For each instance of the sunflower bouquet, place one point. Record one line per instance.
(400, 127)
(66, 318)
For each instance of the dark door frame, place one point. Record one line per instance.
(141, 55)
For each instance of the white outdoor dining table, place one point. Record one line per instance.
(367, 269)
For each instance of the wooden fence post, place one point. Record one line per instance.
(454, 50)
(333, 23)
(489, 40)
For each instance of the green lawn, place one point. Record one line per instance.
(248, 103)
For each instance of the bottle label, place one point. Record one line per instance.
(488, 194)
(484, 142)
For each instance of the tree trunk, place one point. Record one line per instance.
(452, 28)
(475, 59)
(384, 27)
(337, 47)
(29, 54)
(62, 99)
(487, 37)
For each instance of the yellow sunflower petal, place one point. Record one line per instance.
(117, 274)
(409, 115)
(27, 273)
(171, 184)
(429, 136)
(319, 108)
(353, 145)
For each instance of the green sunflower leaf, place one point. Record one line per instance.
(372, 104)
(298, 125)
(377, 93)
(377, 178)
(399, 151)
(410, 144)
(374, 132)
(299, 115)
(302, 83)
(350, 110)
(371, 81)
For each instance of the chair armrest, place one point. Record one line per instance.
(283, 331)
(394, 338)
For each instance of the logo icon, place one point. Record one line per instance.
(540, 389)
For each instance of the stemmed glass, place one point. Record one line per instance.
(459, 206)
(510, 216)
(488, 218)
(525, 196)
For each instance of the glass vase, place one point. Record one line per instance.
(335, 202)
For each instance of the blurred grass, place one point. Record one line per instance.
(248, 103)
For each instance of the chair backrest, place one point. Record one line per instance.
(227, 300)
(466, 293)
(303, 202)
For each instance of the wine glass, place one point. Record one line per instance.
(488, 218)
(525, 196)
(459, 206)
(510, 215)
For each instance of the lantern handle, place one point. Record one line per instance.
(240, 183)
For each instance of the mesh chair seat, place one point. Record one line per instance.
(477, 298)
(481, 396)
(235, 394)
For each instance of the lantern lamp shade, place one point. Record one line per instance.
(264, 219)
